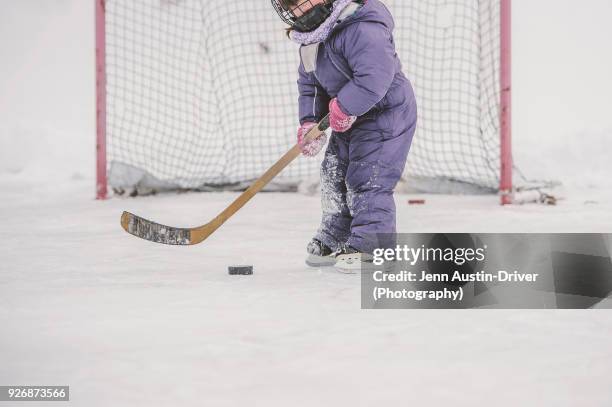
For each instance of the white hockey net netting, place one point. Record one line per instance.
(203, 92)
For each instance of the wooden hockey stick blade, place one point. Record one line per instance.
(155, 232)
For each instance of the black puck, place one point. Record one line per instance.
(240, 270)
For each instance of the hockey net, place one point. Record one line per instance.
(202, 93)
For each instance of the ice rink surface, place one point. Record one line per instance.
(129, 323)
(126, 322)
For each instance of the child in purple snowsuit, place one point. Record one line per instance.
(349, 69)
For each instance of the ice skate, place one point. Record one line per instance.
(319, 254)
(350, 260)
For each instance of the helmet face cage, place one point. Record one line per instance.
(313, 16)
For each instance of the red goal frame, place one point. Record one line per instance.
(505, 120)
(101, 176)
(506, 162)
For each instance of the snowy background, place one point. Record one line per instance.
(562, 60)
(125, 322)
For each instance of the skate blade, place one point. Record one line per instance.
(320, 261)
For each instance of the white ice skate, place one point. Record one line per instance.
(352, 261)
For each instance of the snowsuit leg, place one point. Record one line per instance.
(377, 156)
(336, 221)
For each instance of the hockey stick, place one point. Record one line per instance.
(154, 232)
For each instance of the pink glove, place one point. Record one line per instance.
(313, 147)
(338, 120)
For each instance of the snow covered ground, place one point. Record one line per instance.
(128, 323)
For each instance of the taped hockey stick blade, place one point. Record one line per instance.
(154, 232)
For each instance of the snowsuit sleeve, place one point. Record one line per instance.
(370, 53)
(313, 100)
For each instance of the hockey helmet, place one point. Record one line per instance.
(308, 21)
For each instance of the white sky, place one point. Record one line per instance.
(562, 66)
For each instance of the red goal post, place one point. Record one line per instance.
(101, 163)
(505, 134)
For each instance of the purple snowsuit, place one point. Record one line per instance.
(357, 63)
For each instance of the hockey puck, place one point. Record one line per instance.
(416, 202)
(240, 270)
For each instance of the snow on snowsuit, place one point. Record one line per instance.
(357, 63)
